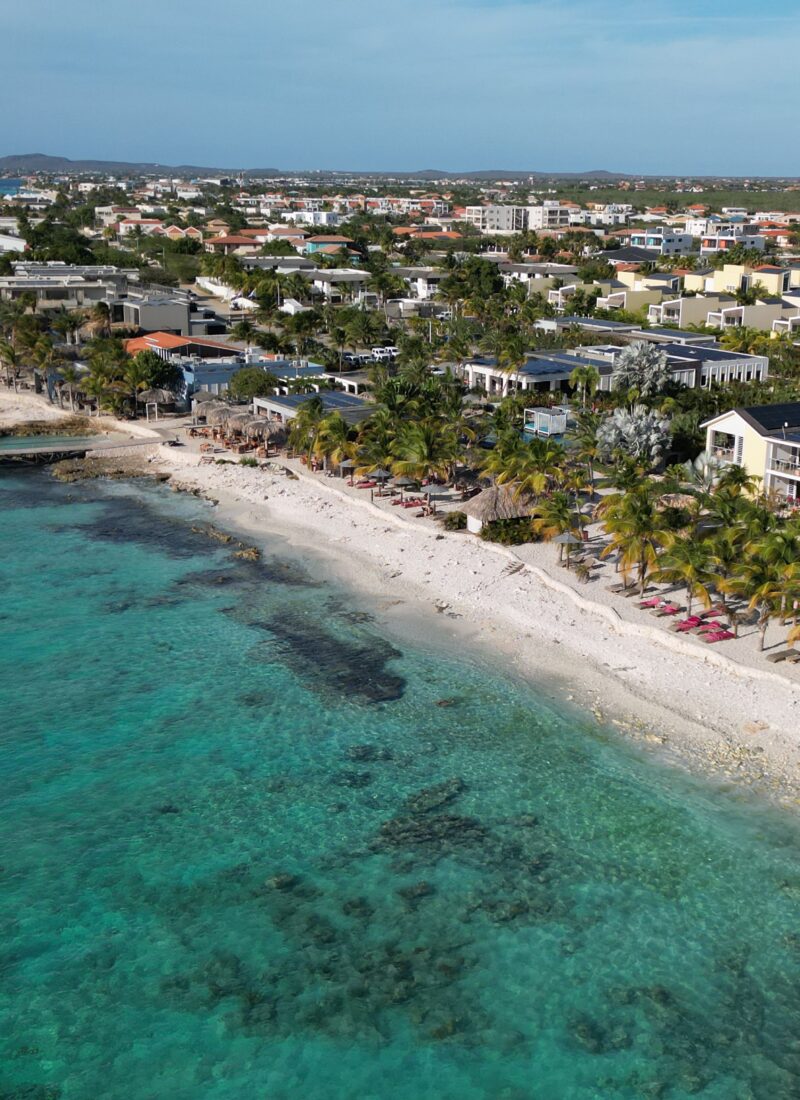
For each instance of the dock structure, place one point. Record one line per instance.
(44, 454)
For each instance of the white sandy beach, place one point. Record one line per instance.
(730, 713)
(722, 709)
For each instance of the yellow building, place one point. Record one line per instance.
(765, 440)
(733, 277)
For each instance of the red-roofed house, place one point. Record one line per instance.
(234, 243)
(166, 344)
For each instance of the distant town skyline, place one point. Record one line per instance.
(705, 87)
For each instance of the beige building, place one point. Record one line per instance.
(765, 440)
(733, 277)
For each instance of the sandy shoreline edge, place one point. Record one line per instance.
(691, 706)
(695, 707)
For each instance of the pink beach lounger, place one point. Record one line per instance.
(717, 636)
(710, 627)
(686, 625)
(654, 601)
(667, 609)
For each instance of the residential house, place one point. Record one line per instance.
(323, 242)
(725, 236)
(662, 241)
(336, 282)
(733, 277)
(765, 440)
(761, 314)
(167, 345)
(691, 310)
(423, 281)
(69, 286)
(497, 219)
(551, 214)
(235, 243)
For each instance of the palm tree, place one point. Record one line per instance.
(725, 550)
(556, 516)
(635, 529)
(375, 441)
(137, 379)
(761, 584)
(100, 320)
(586, 442)
(8, 357)
(96, 386)
(687, 562)
(539, 467)
(513, 353)
(333, 439)
(69, 378)
(306, 425)
(426, 448)
(244, 331)
(586, 379)
(780, 549)
(362, 329)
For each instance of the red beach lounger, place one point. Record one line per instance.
(686, 624)
(717, 636)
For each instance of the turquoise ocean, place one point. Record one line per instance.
(253, 847)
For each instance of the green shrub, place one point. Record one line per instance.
(508, 532)
(245, 461)
(455, 521)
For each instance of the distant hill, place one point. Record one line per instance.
(24, 163)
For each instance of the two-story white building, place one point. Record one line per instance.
(662, 240)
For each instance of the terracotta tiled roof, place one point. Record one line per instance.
(167, 341)
(234, 239)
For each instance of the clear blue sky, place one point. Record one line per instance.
(692, 86)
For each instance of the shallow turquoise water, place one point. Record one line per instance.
(220, 879)
(32, 442)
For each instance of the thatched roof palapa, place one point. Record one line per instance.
(498, 502)
(156, 397)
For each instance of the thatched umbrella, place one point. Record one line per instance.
(566, 538)
(494, 503)
(202, 396)
(218, 414)
(156, 397)
(259, 427)
(238, 421)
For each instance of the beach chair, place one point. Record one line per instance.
(685, 625)
(712, 627)
(666, 610)
(715, 609)
(654, 601)
(782, 655)
(717, 636)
